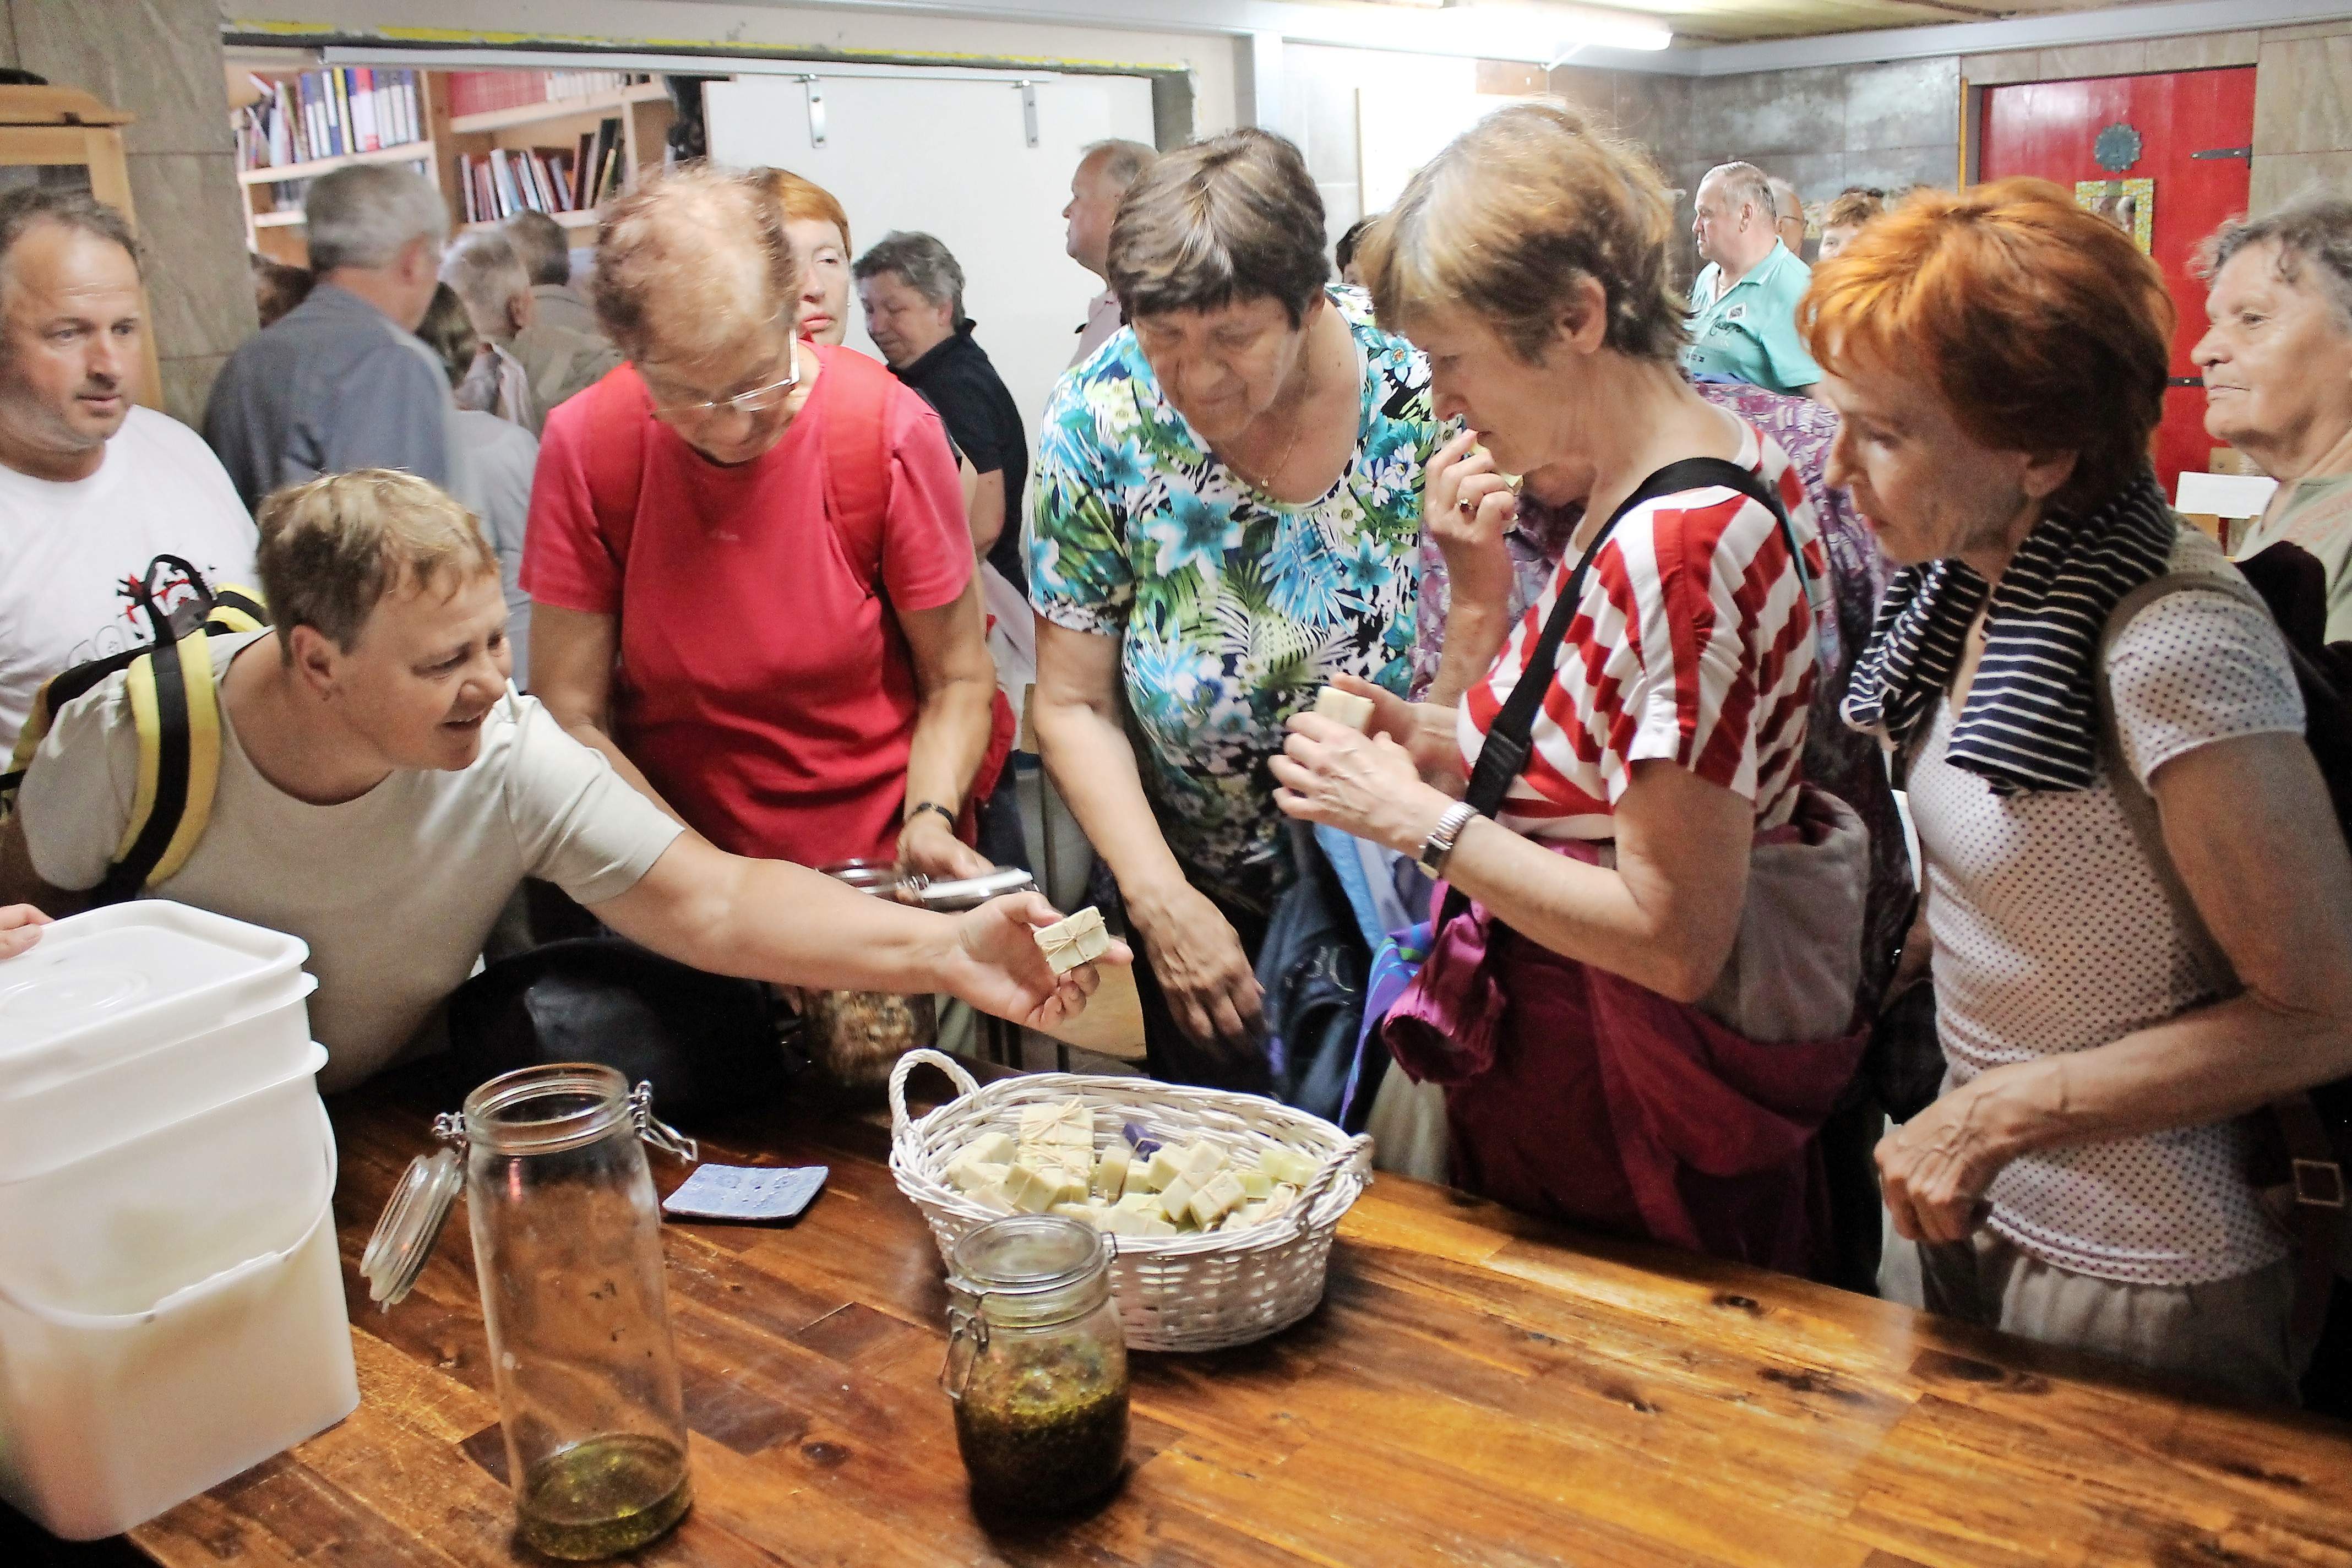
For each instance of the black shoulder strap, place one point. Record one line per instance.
(1505, 753)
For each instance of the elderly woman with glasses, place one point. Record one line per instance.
(752, 586)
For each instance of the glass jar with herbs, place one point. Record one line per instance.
(1037, 1364)
(567, 1250)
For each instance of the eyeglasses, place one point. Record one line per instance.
(759, 400)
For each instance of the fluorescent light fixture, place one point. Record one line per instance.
(1616, 32)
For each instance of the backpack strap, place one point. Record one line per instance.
(1504, 755)
(2316, 1171)
(858, 398)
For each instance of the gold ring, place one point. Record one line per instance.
(1463, 506)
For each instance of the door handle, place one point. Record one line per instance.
(2245, 152)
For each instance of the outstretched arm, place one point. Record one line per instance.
(773, 921)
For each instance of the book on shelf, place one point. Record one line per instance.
(485, 91)
(327, 113)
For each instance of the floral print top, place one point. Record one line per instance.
(1233, 607)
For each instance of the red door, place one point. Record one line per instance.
(2197, 132)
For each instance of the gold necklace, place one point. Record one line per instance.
(1297, 429)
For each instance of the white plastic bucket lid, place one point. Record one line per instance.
(120, 981)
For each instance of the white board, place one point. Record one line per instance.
(949, 157)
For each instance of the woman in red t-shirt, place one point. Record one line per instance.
(752, 586)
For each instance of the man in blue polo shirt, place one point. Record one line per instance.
(1743, 321)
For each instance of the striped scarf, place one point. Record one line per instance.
(2030, 723)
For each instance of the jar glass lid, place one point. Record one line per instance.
(412, 1222)
(1025, 1254)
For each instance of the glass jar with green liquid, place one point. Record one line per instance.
(567, 1248)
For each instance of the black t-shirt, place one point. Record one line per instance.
(956, 378)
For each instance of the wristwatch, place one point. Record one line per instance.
(1438, 845)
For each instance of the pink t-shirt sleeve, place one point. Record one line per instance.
(925, 543)
(566, 559)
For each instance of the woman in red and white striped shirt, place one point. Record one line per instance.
(1647, 1007)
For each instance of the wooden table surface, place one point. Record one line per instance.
(1476, 1389)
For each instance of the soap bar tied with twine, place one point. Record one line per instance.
(1080, 938)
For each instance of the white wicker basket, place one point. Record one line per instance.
(1203, 1292)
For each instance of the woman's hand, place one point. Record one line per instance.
(998, 968)
(1367, 785)
(1425, 729)
(1934, 1169)
(1465, 507)
(20, 928)
(926, 844)
(1198, 960)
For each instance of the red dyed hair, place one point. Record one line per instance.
(2043, 324)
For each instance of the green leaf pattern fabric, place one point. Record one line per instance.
(1232, 608)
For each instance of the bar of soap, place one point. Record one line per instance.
(1344, 707)
(1080, 938)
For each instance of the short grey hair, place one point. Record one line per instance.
(1121, 161)
(484, 272)
(929, 267)
(1745, 182)
(2314, 228)
(545, 249)
(365, 214)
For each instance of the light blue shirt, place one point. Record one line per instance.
(1749, 332)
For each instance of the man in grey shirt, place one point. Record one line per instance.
(546, 253)
(340, 382)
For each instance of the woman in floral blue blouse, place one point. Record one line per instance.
(1227, 514)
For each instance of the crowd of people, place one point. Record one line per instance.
(1670, 608)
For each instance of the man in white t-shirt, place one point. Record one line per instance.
(384, 790)
(92, 488)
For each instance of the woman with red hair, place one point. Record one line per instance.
(2101, 735)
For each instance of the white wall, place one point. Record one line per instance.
(688, 23)
(881, 158)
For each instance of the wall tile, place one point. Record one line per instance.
(1764, 113)
(186, 383)
(1510, 79)
(1996, 69)
(161, 60)
(1910, 103)
(1655, 111)
(2279, 178)
(1818, 176)
(1591, 90)
(197, 283)
(2300, 105)
(2125, 59)
(2203, 51)
(1890, 169)
(2306, 30)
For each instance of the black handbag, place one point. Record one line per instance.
(704, 1041)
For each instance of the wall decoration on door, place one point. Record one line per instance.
(2117, 148)
(2129, 205)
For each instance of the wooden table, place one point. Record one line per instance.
(1476, 1389)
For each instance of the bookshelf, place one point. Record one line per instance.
(641, 113)
(273, 217)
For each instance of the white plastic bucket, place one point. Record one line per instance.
(170, 1312)
(125, 1019)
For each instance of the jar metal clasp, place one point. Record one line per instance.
(967, 1331)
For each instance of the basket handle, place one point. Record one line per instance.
(1357, 1150)
(964, 1082)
